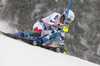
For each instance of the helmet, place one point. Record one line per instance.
(70, 16)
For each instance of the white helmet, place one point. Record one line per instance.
(70, 16)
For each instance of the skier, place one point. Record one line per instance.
(47, 27)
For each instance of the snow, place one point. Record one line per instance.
(5, 27)
(17, 53)
(82, 1)
(56, 0)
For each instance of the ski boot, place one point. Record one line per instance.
(37, 42)
(57, 49)
(62, 49)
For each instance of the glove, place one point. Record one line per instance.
(64, 29)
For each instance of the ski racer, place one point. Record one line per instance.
(50, 25)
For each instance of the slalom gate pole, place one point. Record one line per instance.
(63, 24)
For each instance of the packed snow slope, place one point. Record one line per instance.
(17, 53)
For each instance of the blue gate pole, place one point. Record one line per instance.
(63, 24)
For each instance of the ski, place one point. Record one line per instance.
(31, 42)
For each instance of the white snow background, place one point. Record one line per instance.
(17, 53)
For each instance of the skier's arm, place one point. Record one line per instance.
(51, 24)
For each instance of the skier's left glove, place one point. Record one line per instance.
(65, 29)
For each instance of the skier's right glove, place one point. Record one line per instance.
(64, 29)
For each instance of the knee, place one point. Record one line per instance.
(38, 30)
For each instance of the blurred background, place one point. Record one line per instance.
(83, 38)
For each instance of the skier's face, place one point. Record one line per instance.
(67, 21)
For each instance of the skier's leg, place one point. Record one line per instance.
(61, 41)
(44, 39)
(37, 29)
(45, 34)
